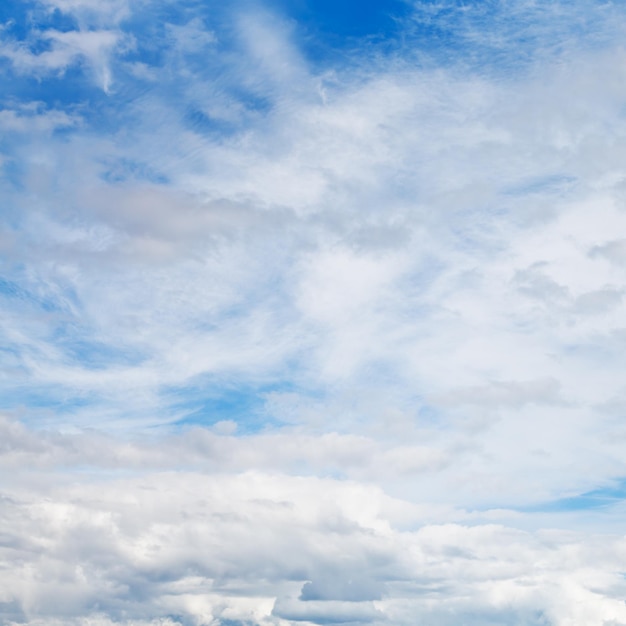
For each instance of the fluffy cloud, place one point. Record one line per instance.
(272, 549)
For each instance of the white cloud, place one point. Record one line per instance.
(263, 548)
(66, 49)
(91, 13)
(391, 294)
(34, 116)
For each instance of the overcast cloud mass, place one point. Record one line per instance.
(312, 314)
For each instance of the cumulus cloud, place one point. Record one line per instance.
(273, 549)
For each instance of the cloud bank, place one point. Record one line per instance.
(303, 326)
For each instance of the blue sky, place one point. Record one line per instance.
(312, 312)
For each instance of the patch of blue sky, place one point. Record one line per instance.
(480, 33)
(12, 365)
(54, 399)
(16, 17)
(446, 32)
(352, 18)
(552, 183)
(201, 123)
(499, 617)
(97, 355)
(73, 92)
(60, 21)
(58, 91)
(482, 36)
(181, 32)
(594, 500)
(190, 80)
(243, 404)
(180, 68)
(13, 290)
(161, 56)
(599, 349)
(12, 170)
(24, 23)
(491, 35)
(252, 101)
(432, 417)
(74, 340)
(70, 88)
(162, 15)
(122, 169)
(328, 30)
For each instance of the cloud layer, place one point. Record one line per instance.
(271, 549)
(303, 329)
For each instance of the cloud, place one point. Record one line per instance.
(355, 261)
(89, 11)
(30, 116)
(180, 546)
(64, 50)
(318, 339)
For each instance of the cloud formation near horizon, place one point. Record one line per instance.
(312, 315)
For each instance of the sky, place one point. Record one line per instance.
(312, 313)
